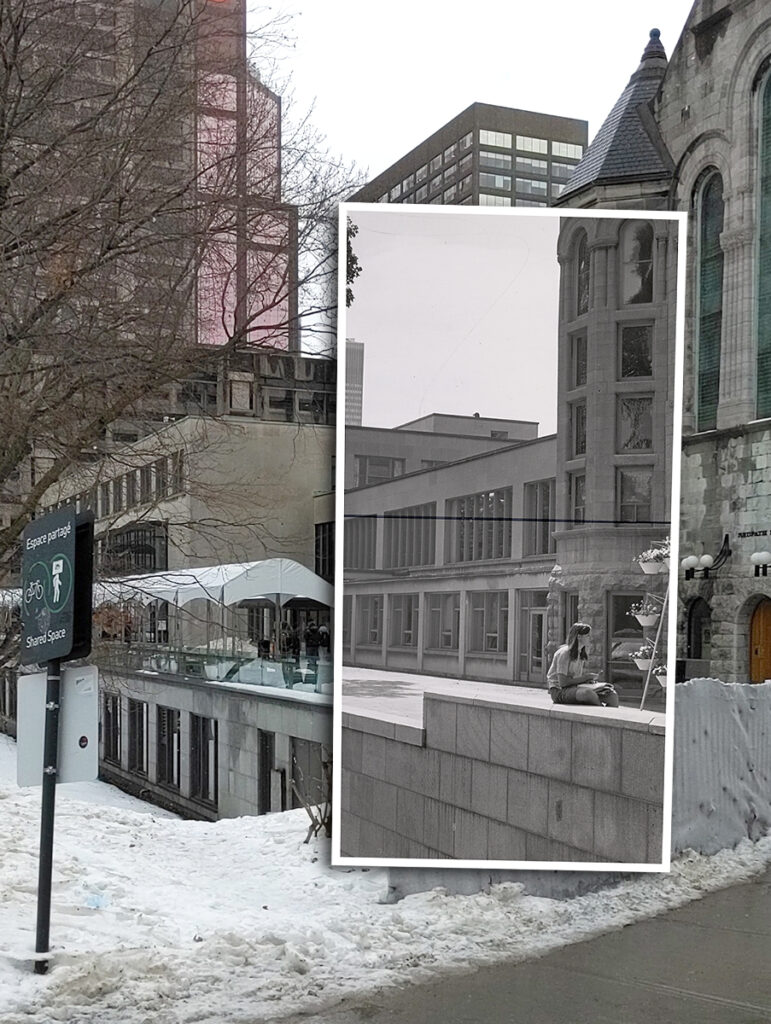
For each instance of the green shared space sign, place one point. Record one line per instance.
(47, 594)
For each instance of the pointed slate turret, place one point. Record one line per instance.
(628, 146)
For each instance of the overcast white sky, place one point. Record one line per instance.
(457, 309)
(384, 76)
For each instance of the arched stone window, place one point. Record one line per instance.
(699, 630)
(764, 257)
(637, 262)
(709, 208)
(582, 275)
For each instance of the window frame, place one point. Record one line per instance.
(627, 397)
(537, 519)
(493, 607)
(369, 607)
(442, 620)
(403, 621)
(619, 503)
(204, 760)
(708, 420)
(138, 736)
(629, 238)
(168, 742)
(111, 727)
(573, 506)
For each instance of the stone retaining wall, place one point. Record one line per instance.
(493, 781)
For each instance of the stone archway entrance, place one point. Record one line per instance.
(760, 642)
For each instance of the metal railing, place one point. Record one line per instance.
(303, 674)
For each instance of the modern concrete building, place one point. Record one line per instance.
(692, 133)
(375, 454)
(212, 749)
(486, 156)
(354, 381)
(235, 475)
(445, 571)
(230, 477)
(476, 566)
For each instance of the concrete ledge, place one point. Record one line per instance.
(502, 779)
(404, 730)
(630, 718)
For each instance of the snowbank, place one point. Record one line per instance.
(155, 918)
(722, 764)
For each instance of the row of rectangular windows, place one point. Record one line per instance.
(203, 746)
(448, 159)
(634, 425)
(163, 478)
(529, 144)
(633, 495)
(634, 354)
(634, 410)
(487, 199)
(487, 624)
(306, 756)
(527, 186)
(636, 255)
(478, 527)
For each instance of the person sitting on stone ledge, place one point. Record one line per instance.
(568, 680)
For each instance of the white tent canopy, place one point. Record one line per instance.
(274, 579)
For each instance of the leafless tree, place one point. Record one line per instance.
(145, 220)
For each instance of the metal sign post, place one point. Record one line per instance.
(48, 807)
(56, 576)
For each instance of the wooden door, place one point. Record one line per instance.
(760, 642)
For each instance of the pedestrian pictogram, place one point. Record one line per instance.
(48, 558)
(57, 568)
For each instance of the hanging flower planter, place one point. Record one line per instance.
(647, 611)
(660, 674)
(643, 657)
(652, 568)
(655, 560)
(646, 621)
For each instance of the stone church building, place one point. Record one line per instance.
(693, 133)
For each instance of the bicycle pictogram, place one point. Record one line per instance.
(34, 591)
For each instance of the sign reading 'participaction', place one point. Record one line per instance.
(47, 605)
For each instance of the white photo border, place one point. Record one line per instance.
(345, 211)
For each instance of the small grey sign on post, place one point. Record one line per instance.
(78, 759)
(47, 575)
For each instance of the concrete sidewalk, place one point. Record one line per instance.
(707, 963)
(394, 696)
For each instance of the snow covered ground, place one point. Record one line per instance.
(170, 921)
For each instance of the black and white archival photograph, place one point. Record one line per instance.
(506, 481)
